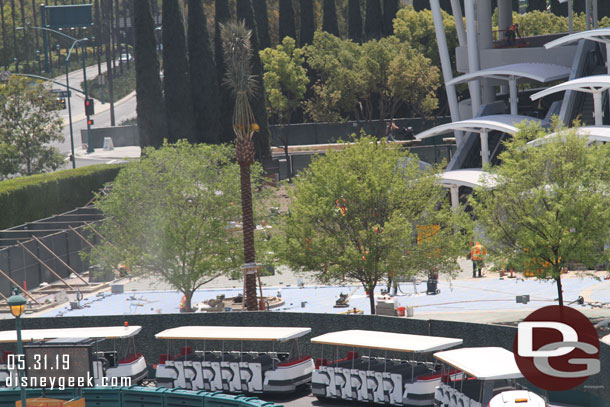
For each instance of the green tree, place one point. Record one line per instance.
(204, 84)
(416, 28)
(262, 143)
(308, 22)
(329, 18)
(339, 84)
(287, 27)
(354, 213)
(390, 8)
(262, 23)
(152, 126)
(549, 205)
(28, 123)
(285, 85)
(373, 25)
(370, 81)
(168, 214)
(221, 16)
(238, 53)
(395, 75)
(178, 104)
(354, 21)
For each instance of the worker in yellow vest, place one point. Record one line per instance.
(476, 254)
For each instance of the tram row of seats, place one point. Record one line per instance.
(218, 371)
(367, 379)
(467, 391)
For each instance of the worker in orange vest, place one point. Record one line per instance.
(476, 254)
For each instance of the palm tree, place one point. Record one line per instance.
(237, 50)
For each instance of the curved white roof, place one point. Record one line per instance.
(595, 133)
(536, 71)
(470, 177)
(499, 122)
(108, 332)
(387, 341)
(589, 84)
(483, 363)
(234, 333)
(599, 35)
(606, 339)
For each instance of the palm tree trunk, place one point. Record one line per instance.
(248, 233)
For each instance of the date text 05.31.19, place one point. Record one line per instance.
(39, 362)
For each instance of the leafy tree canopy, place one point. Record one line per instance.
(285, 79)
(354, 213)
(416, 28)
(169, 215)
(28, 123)
(371, 80)
(550, 205)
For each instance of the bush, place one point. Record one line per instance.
(26, 199)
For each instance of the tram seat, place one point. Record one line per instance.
(265, 361)
(112, 357)
(282, 356)
(320, 362)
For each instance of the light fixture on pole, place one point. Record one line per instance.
(16, 304)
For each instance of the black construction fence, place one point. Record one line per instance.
(30, 251)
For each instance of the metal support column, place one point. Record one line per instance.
(473, 56)
(443, 51)
(513, 95)
(455, 196)
(485, 147)
(597, 106)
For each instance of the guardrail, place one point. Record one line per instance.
(136, 396)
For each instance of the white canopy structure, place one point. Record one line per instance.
(387, 341)
(594, 133)
(107, 332)
(589, 84)
(234, 333)
(490, 363)
(538, 72)
(505, 123)
(470, 177)
(600, 35)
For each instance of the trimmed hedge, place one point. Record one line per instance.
(26, 199)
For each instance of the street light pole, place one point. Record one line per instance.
(16, 304)
(75, 41)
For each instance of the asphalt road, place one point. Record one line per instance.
(124, 109)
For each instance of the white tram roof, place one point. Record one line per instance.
(490, 363)
(589, 84)
(595, 133)
(108, 332)
(540, 72)
(505, 123)
(598, 34)
(234, 333)
(387, 341)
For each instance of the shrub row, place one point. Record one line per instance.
(26, 199)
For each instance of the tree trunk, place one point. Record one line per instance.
(370, 289)
(559, 289)
(248, 230)
(286, 133)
